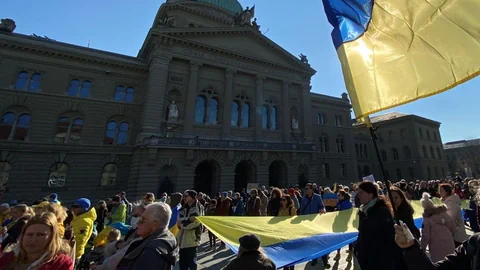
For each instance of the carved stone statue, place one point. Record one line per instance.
(7, 25)
(245, 18)
(255, 24)
(303, 58)
(294, 123)
(172, 110)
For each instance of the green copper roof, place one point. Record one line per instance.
(231, 5)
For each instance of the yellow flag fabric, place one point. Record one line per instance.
(410, 49)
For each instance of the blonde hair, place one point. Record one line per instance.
(113, 235)
(55, 246)
(58, 210)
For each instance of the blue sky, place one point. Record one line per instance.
(299, 26)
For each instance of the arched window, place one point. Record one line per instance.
(384, 155)
(77, 89)
(395, 154)
(109, 175)
(432, 153)
(424, 150)
(116, 134)
(22, 80)
(326, 170)
(439, 153)
(321, 119)
(199, 110)
(343, 170)
(68, 131)
(340, 145)
(73, 88)
(406, 152)
(245, 115)
(235, 114)
(5, 168)
(273, 118)
(399, 173)
(13, 127)
(323, 143)
(34, 84)
(264, 117)
(124, 94)
(85, 89)
(212, 111)
(58, 175)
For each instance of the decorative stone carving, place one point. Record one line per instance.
(255, 24)
(245, 18)
(172, 111)
(7, 25)
(303, 58)
(294, 123)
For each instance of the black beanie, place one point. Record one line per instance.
(369, 187)
(249, 242)
(191, 193)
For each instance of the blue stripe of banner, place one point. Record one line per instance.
(349, 18)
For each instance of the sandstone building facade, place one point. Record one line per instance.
(208, 103)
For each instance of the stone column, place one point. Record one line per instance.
(307, 111)
(191, 97)
(286, 112)
(153, 111)
(258, 108)
(227, 102)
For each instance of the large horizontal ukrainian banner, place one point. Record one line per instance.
(293, 240)
(397, 51)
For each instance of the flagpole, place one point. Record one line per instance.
(382, 168)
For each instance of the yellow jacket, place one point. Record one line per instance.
(4, 216)
(82, 230)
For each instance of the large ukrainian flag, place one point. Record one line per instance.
(397, 51)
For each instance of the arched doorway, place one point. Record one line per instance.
(245, 172)
(366, 171)
(206, 175)
(277, 174)
(167, 180)
(302, 175)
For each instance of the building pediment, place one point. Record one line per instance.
(242, 41)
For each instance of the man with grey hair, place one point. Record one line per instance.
(158, 248)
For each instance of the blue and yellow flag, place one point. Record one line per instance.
(294, 240)
(397, 51)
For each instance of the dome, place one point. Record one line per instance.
(231, 5)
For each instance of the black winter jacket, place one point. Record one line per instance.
(466, 257)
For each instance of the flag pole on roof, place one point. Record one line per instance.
(396, 52)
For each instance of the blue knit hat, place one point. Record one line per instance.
(53, 198)
(225, 194)
(83, 203)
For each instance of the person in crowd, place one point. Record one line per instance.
(312, 203)
(175, 204)
(230, 194)
(4, 213)
(148, 198)
(61, 214)
(212, 211)
(244, 195)
(123, 197)
(465, 257)
(376, 248)
(82, 224)
(40, 247)
(201, 199)
(157, 248)
(293, 196)
(238, 207)
(453, 203)
(330, 199)
(472, 213)
(287, 207)
(263, 202)
(405, 210)
(458, 190)
(224, 206)
(118, 212)
(190, 230)
(274, 202)
(101, 215)
(38, 208)
(163, 197)
(20, 215)
(53, 198)
(344, 203)
(438, 229)
(253, 204)
(138, 210)
(104, 249)
(250, 256)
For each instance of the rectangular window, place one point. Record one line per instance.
(338, 121)
(321, 119)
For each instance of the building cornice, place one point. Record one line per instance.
(48, 47)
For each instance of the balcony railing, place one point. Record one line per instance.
(226, 144)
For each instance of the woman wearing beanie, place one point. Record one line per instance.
(250, 256)
(438, 229)
(376, 248)
(453, 203)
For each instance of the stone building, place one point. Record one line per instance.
(410, 147)
(208, 103)
(463, 157)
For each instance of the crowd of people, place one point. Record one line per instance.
(155, 233)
